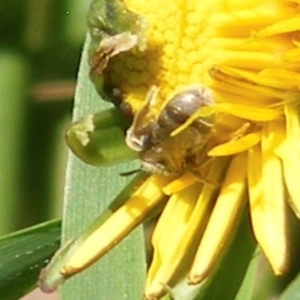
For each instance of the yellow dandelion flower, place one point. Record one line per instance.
(240, 141)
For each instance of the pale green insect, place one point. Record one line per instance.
(98, 139)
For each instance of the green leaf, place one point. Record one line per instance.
(292, 292)
(23, 254)
(247, 287)
(89, 190)
(226, 280)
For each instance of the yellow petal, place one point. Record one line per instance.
(179, 183)
(271, 77)
(288, 151)
(179, 228)
(255, 92)
(222, 220)
(250, 112)
(129, 215)
(293, 56)
(236, 146)
(258, 15)
(267, 203)
(167, 239)
(289, 154)
(285, 78)
(284, 26)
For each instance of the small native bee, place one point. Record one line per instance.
(161, 151)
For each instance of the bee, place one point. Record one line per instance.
(152, 136)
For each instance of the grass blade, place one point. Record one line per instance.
(23, 254)
(89, 190)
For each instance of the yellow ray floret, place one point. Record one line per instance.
(145, 199)
(288, 151)
(222, 220)
(268, 200)
(236, 146)
(180, 227)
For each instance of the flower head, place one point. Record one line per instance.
(245, 54)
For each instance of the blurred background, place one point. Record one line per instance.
(40, 47)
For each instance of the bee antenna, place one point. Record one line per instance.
(129, 173)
